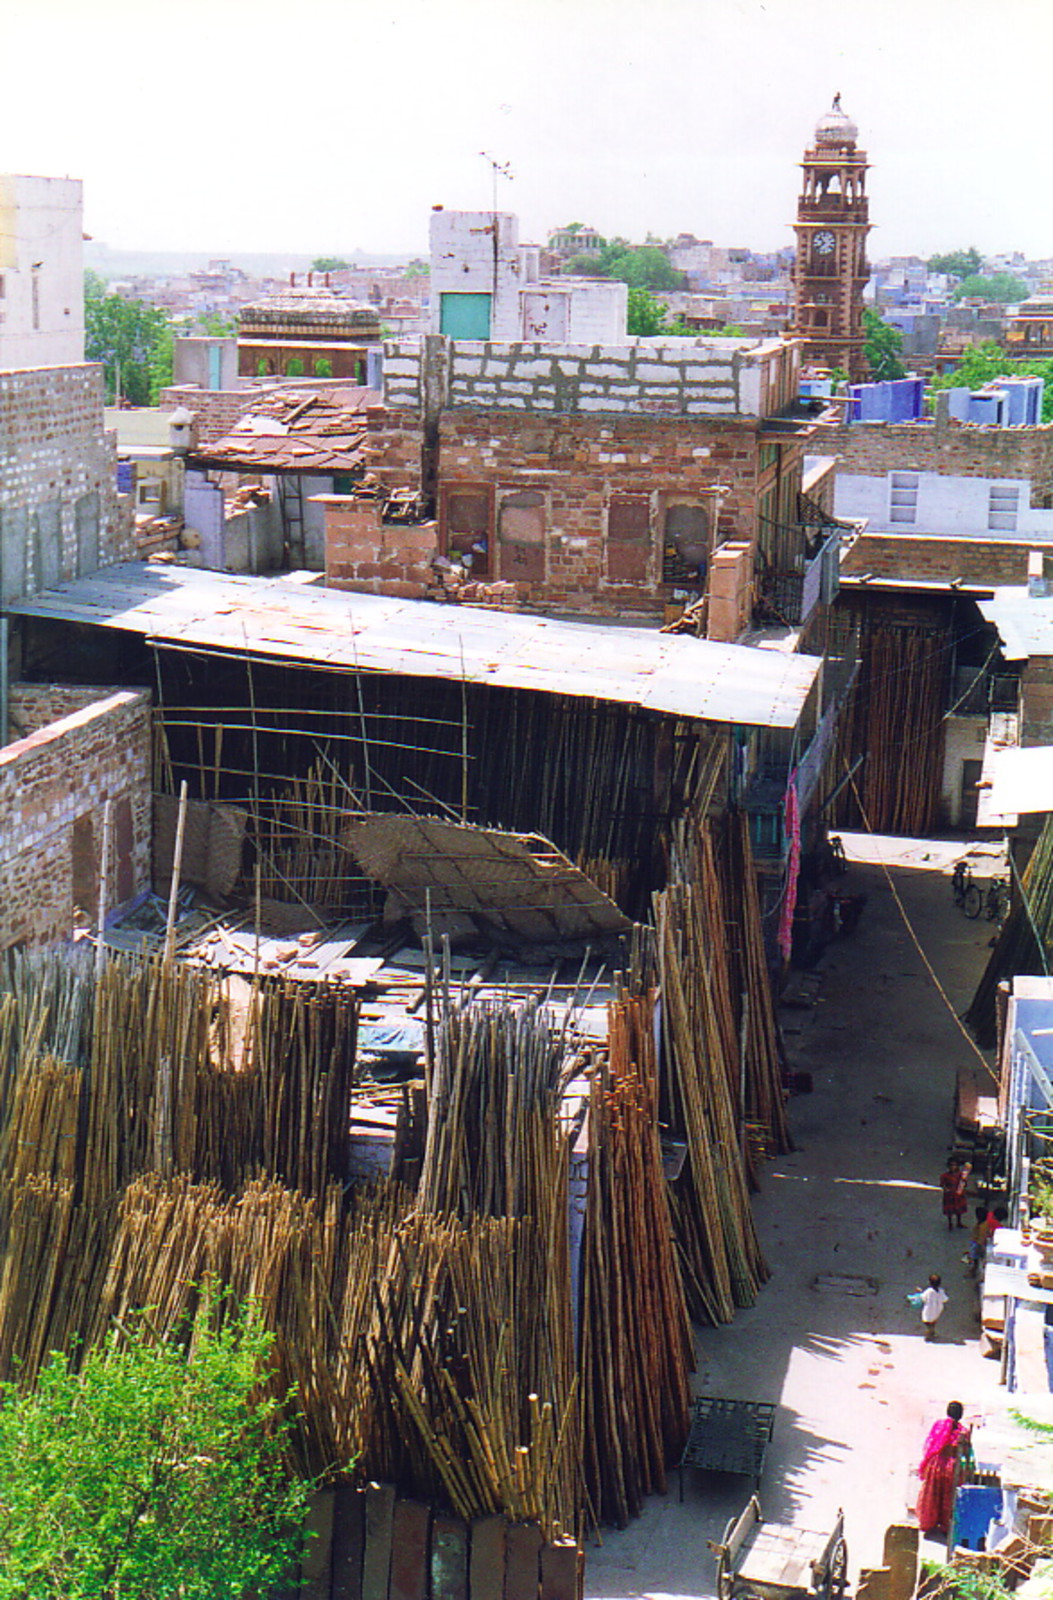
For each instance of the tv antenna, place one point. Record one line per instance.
(499, 169)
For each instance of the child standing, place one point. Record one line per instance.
(933, 1300)
(978, 1239)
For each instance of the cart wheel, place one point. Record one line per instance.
(972, 902)
(838, 1577)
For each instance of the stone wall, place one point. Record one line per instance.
(932, 559)
(60, 514)
(53, 787)
(958, 449)
(31, 706)
(577, 466)
(681, 377)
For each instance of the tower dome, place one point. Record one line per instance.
(835, 126)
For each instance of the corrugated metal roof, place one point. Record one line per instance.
(1024, 622)
(283, 618)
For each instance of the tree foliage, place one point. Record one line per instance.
(217, 325)
(155, 1472)
(986, 363)
(329, 264)
(640, 266)
(133, 341)
(957, 263)
(1000, 286)
(883, 348)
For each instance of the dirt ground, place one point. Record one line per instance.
(856, 1385)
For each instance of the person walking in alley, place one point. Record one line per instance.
(953, 1182)
(933, 1300)
(945, 1449)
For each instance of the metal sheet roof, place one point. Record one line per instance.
(1021, 781)
(287, 619)
(1024, 622)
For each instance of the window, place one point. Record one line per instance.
(628, 537)
(685, 545)
(36, 303)
(323, 367)
(1003, 503)
(521, 531)
(903, 497)
(466, 522)
(294, 368)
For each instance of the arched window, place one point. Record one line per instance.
(323, 367)
(294, 369)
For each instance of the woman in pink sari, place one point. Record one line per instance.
(939, 1469)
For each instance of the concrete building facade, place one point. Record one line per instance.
(41, 272)
(485, 285)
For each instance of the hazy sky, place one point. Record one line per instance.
(320, 126)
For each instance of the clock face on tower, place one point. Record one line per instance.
(823, 243)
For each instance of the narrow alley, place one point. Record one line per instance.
(851, 1223)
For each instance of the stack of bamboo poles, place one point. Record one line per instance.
(901, 686)
(763, 1098)
(703, 1071)
(636, 1339)
(1025, 941)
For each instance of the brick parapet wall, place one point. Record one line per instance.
(55, 454)
(653, 379)
(58, 777)
(935, 559)
(959, 449)
(364, 554)
(33, 705)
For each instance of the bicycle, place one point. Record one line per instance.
(967, 895)
(996, 900)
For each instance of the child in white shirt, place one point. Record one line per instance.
(933, 1300)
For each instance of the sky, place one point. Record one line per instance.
(325, 126)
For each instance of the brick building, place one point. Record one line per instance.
(615, 481)
(76, 757)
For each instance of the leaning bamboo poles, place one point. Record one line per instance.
(636, 1343)
(1025, 940)
(703, 1071)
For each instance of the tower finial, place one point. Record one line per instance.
(837, 101)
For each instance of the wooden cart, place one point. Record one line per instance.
(774, 1562)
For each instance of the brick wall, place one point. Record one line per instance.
(1036, 701)
(577, 463)
(934, 559)
(364, 554)
(60, 514)
(960, 449)
(53, 787)
(33, 705)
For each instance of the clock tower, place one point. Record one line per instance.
(831, 267)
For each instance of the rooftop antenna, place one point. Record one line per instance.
(499, 169)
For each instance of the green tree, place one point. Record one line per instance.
(986, 363)
(329, 264)
(1000, 286)
(957, 263)
(646, 317)
(640, 266)
(218, 326)
(882, 348)
(130, 338)
(418, 269)
(156, 1470)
